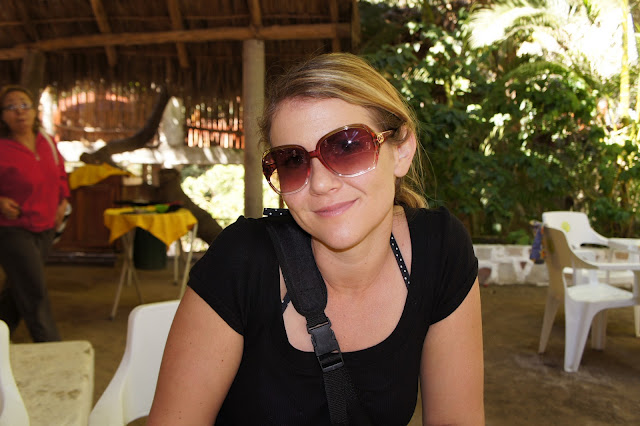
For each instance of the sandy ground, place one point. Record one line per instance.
(521, 387)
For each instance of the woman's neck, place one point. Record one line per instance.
(27, 139)
(356, 270)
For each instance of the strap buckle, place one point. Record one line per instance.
(326, 347)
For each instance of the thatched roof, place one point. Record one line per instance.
(194, 45)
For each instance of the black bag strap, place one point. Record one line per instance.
(308, 293)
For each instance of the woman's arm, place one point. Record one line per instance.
(200, 361)
(61, 212)
(452, 370)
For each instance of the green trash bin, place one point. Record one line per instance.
(148, 251)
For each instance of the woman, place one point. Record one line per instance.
(33, 199)
(238, 353)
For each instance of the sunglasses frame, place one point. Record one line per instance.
(269, 167)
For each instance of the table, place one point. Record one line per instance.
(167, 227)
(630, 245)
(55, 380)
(91, 174)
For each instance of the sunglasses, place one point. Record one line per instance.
(23, 107)
(348, 151)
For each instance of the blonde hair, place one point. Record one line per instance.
(5, 131)
(350, 78)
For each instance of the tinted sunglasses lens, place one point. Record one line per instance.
(349, 152)
(289, 168)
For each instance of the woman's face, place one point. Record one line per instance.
(339, 212)
(21, 113)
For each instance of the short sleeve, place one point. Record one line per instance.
(459, 266)
(231, 274)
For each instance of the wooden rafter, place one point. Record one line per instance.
(255, 12)
(275, 32)
(105, 28)
(355, 25)
(333, 10)
(176, 24)
(26, 21)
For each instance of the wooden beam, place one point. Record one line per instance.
(176, 24)
(26, 21)
(355, 25)
(333, 10)
(255, 12)
(32, 74)
(105, 28)
(10, 24)
(275, 32)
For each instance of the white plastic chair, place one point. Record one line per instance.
(576, 227)
(12, 409)
(579, 231)
(130, 393)
(585, 305)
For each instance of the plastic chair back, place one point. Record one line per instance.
(130, 393)
(576, 226)
(12, 409)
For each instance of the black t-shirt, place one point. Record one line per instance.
(280, 385)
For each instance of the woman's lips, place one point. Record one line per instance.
(334, 209)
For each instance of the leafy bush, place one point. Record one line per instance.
(508, 136)
(219, 190)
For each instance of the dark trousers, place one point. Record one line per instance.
(25, 296)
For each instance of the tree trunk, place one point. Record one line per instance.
(624, 66)
(169, 189)
(138, 140)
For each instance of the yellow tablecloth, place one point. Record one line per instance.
(90, 174)
(167, 227)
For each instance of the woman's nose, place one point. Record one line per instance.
(321, 178)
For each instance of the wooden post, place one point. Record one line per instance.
(253, 102)
(32, 76)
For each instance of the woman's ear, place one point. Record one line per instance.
(404, 155)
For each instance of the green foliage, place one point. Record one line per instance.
(508, 136)
(519, 236)
(219, 190)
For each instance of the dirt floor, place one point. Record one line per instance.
(521, 387)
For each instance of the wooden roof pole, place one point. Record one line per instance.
(333, 10)
(275, 32)
(176, 24)
(355, 25)
(27, 23)
(255, 12)
(253, 70)
(105, 28)
(33, 60)
(32, 72)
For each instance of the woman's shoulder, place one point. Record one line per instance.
(241, 248)
(244, 233)
(435, 219)
(245, 238)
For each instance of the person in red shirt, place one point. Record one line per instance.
(33, 200)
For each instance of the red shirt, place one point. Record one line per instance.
(34, 181)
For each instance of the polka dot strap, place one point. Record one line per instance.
(275, 212)
(400, 260)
